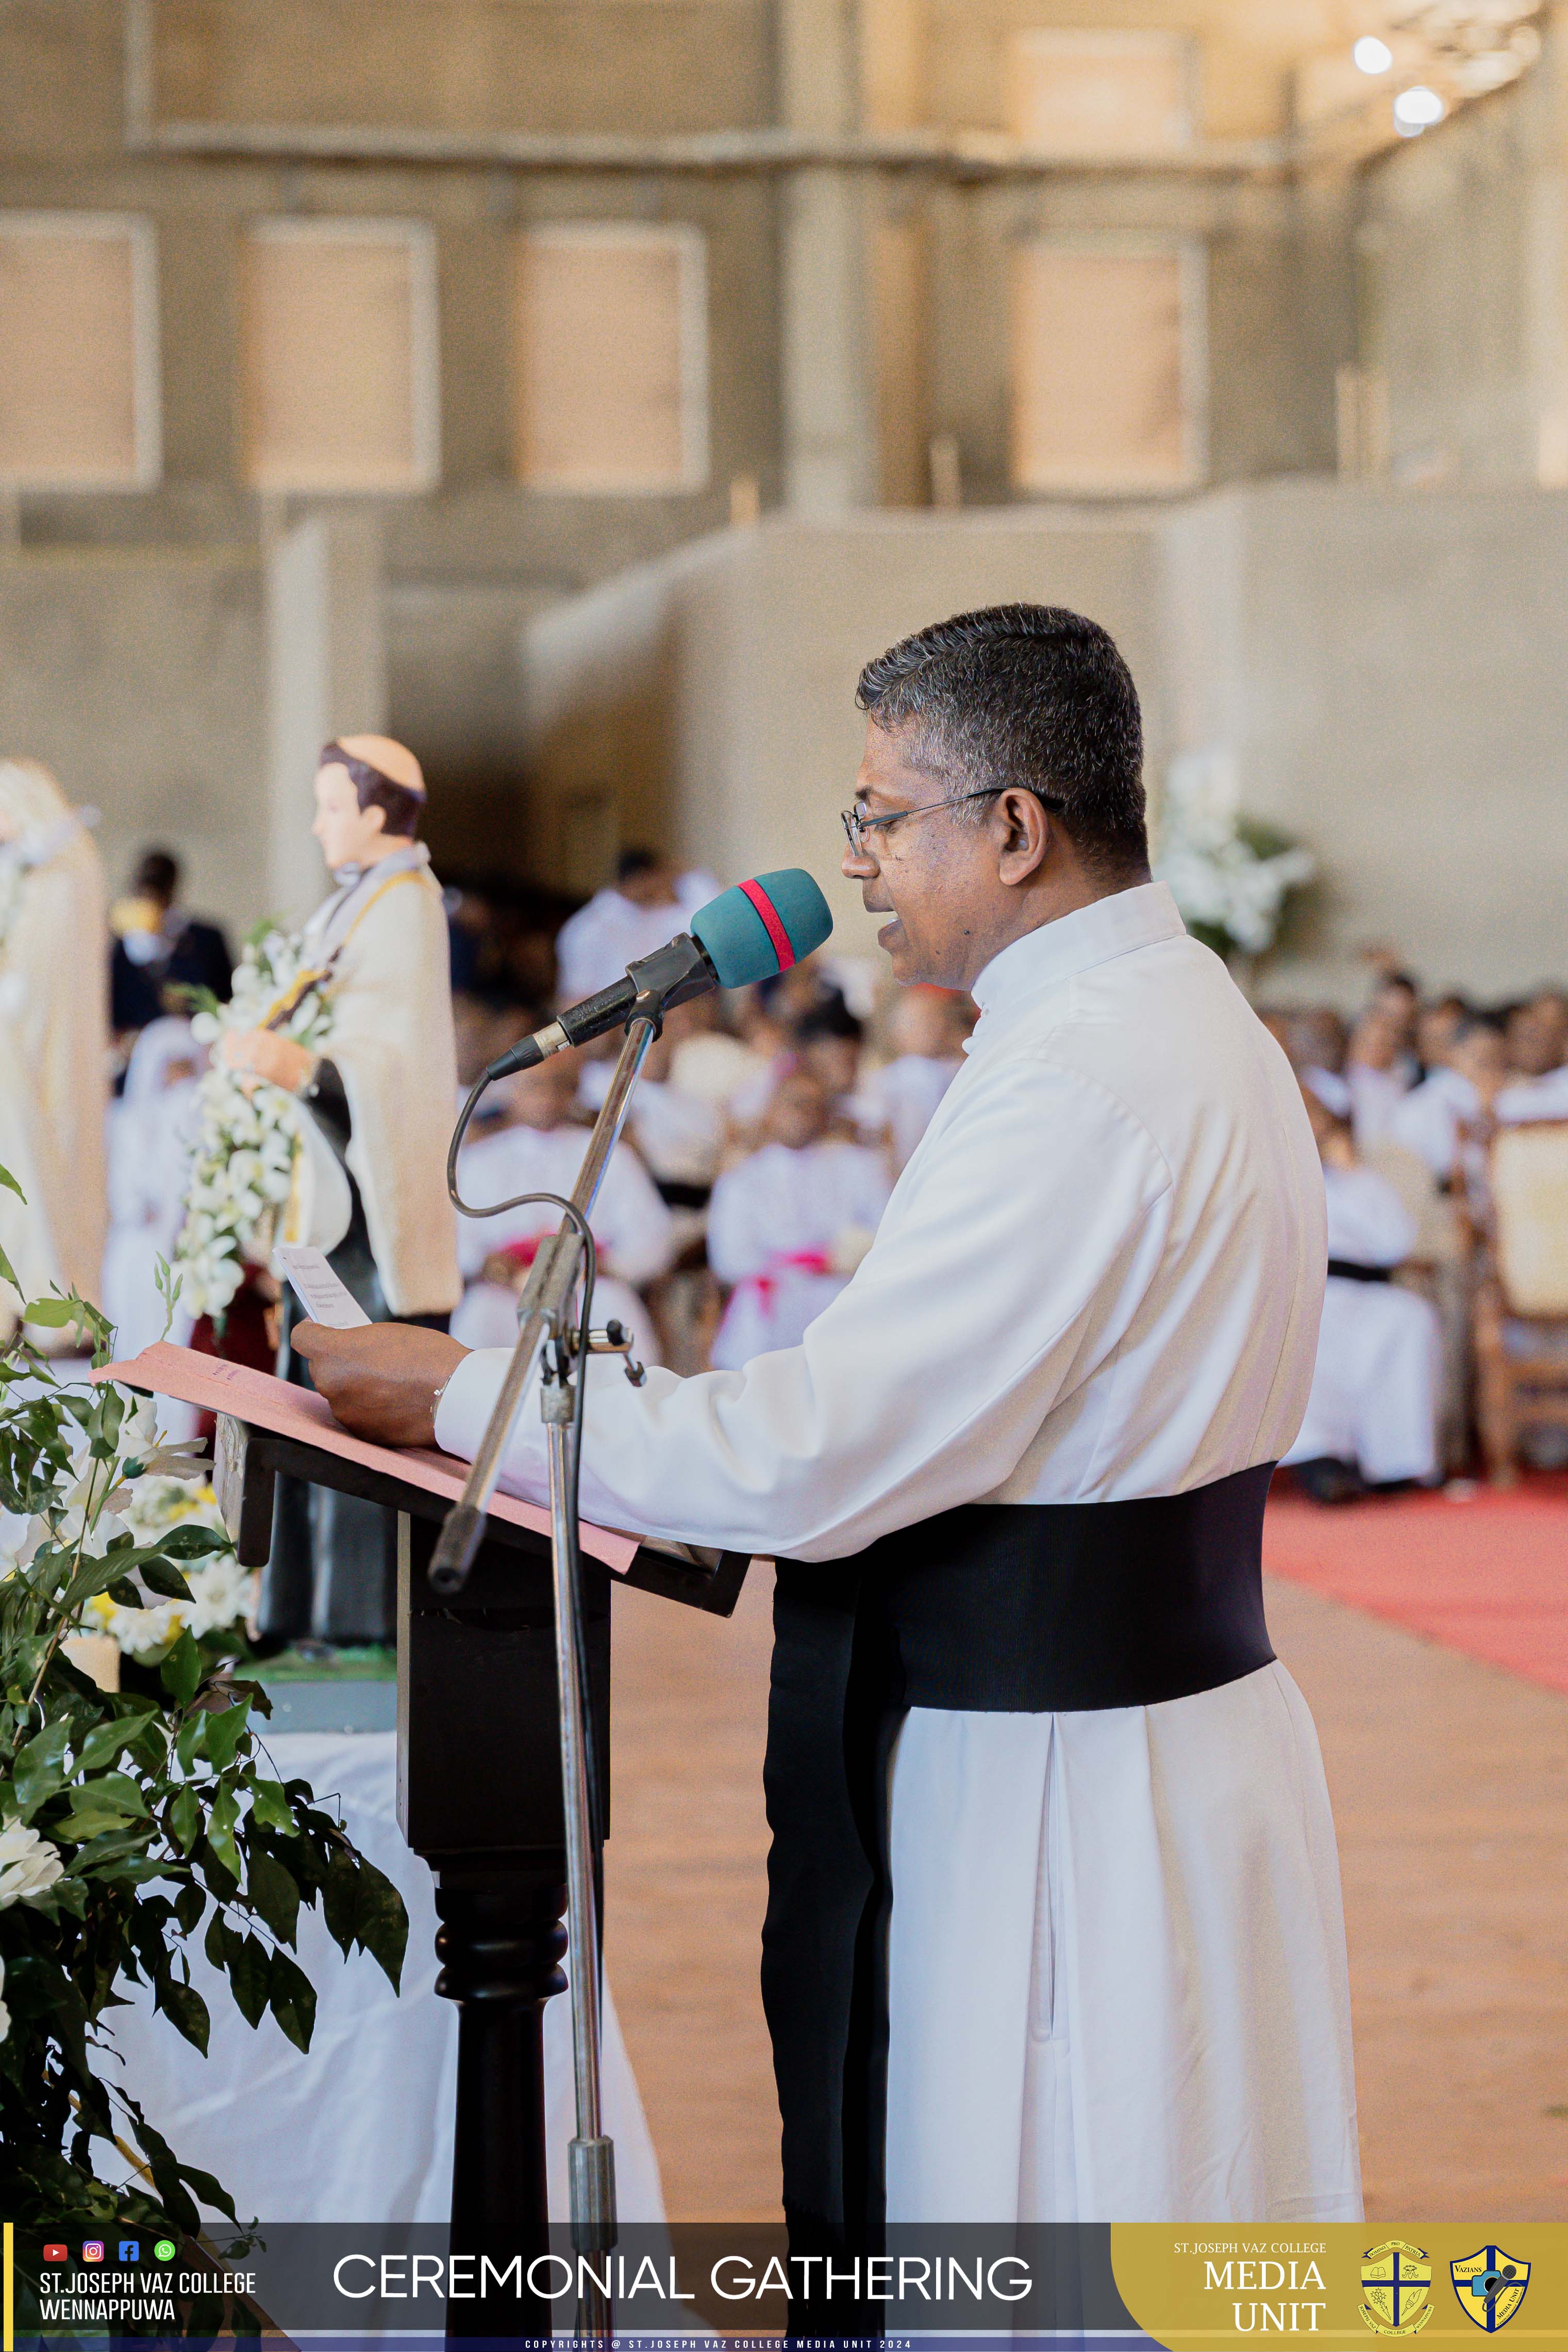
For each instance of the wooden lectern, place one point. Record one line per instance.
(479, 1776)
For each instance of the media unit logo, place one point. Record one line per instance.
(1491, 2286)
(1395, 2288)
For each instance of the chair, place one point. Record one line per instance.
(1521, 1301)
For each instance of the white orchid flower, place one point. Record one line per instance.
(29, 1865)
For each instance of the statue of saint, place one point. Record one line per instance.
(54, 1044)
(370, 1178)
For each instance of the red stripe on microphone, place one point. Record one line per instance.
(775, 929)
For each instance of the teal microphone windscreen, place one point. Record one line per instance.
(762, 927)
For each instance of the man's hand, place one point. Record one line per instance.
(381, 1378)
(263, 1053)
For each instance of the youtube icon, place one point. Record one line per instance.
(56, 2255)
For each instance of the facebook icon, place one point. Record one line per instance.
(130, 2250)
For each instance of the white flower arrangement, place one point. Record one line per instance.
(1229, 876)
(222, 1592)
(243, 1167)
(29, 1865)
(161, 1487)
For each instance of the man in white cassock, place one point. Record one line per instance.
(1054, 1928)
(1371, 1417)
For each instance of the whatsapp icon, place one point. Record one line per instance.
(165, 2250)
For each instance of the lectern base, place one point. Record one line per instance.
(500, 1944)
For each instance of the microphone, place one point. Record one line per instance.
(745, 934)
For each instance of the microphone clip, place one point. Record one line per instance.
(672, 975)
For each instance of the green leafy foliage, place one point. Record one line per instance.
(141, 1830)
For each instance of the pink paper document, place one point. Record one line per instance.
(214, 1386)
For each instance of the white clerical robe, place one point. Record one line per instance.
(1376, 1097)
(149, 1147)
(1376, 1381)
(1532, 1099)
(383, 938)
(1116, 1970)
(1432, 1118)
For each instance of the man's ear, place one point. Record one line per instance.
(1025, 835)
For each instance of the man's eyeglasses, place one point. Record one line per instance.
(858, 826)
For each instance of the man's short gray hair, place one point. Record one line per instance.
(1026, 694)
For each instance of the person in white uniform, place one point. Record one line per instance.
(1537, 1053)
(1371, 1417)
(646, 905)
(1054, 1928)
(928, 1030)
(788, 1225)
(149, 1147)
(541, 1150)
(1439, 1119)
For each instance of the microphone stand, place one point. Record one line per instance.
(545, 1316)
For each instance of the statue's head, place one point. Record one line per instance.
(370, 799)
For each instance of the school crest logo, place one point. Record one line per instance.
(1490, 2286)
(1395, 2289)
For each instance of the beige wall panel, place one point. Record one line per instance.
(610, 363)
(1113, 93)
(337, 357)
(139, 675)
(74, 383)
(892, 63)
(1246, 51)
(465, 64)
(901, 338)
(1390, 674)
(1100, 370)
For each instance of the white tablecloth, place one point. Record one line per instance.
(361, 2128)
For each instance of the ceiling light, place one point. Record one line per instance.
(1416, 109)
(1372, 56)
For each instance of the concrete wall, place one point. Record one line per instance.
(1388, 671)
(482, 65)
(1462, 257)
(140, 676)
(721, 684)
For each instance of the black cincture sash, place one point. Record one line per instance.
(997, 1608)
(1350, 1269)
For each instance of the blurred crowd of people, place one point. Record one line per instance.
(770, 1127)
(1406, 1103)
(766, 1133)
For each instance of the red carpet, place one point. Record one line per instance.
(1486, 1573)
